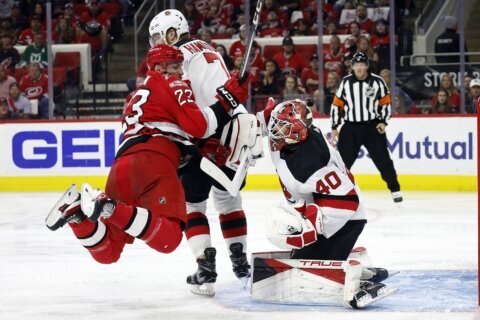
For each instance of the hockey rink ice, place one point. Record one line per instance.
(431, 240)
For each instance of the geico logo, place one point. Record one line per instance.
(33, 91)
(68, 149)
(428, 149)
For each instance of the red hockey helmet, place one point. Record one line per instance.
(288, 124)
(163, 54)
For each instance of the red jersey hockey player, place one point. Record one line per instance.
(144, 197)
(205, 69)
(326, 215)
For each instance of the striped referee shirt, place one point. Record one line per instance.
(361, 100)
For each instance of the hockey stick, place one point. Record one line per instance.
(253, 30)
(233, 186)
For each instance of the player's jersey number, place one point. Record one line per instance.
(212, 57)
(330, 181)
(183, 96)
(141, 96)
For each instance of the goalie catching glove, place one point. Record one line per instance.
(242, 133)
(232, 94)
(289, 229)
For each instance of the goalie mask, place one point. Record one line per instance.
(165, 21)
(288, 124)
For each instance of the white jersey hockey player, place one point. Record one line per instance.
(326, 215)
(204, 67)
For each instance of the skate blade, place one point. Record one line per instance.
(206, 289)
(55, 219)
(381, 294)
(245, 282)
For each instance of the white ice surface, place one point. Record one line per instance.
(48, 275)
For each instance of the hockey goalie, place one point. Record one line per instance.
(320, 224)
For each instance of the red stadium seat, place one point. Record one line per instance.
(112, 8)
(270, 50)
(68, 60)
(59, 77)
(79, 8)
(306, 50)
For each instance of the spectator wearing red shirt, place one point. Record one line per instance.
(331, 29)
(35, 86)
(207, 37)
(309, 76)
(94, 34)
(217, 18)
(302, 28)
(290, 62)
(238, 48)
(362, 19)
(355, 33)
(193, 16)
(28, 35)
(269, 6)
(272, 27)
(64, 33)
(95, 13)
(333, 58)
(380, 34)
(442, 103)
(69, 14)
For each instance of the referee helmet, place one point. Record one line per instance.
(359, 57)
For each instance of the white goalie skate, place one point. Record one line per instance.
(67, 209)
(369, 293)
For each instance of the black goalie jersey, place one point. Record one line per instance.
(313, 172)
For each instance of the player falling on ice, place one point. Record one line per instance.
(144, 197)
(325, 216)
(204, 68)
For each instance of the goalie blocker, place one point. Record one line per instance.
(278, 279)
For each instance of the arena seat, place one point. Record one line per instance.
(69, 60)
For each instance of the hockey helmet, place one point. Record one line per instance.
(359, 57)
(163, 54)
(288, 124)
(164, 21)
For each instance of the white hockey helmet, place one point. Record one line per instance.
(164, 21)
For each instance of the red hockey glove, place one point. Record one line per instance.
(214, 151)
(232, 93)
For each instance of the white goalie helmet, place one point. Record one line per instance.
(163, 22)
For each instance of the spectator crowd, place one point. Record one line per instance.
(23, 76)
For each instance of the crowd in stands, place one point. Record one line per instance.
(23, 23)
(294, 71)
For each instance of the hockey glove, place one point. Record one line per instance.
(214, 151)
(287, 229)
(232, 93)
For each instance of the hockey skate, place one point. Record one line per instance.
(203, 280)
(369, 293)
(95, 203)
(397, 197)
(240, 265)
(67, 209)
(374, 274)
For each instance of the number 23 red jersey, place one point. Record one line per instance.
(165, 106)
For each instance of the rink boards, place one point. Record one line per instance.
(429, 153)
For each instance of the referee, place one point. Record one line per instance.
(363, 101)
